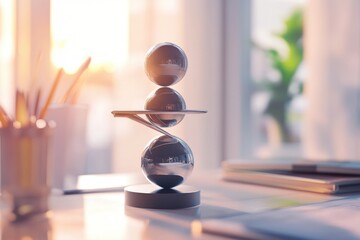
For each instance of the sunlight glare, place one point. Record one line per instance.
(95, 28)
(7, 51)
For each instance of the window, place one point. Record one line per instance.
(278, 73)
(99, 30)
(6, 53)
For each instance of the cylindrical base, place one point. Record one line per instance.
(151, 196)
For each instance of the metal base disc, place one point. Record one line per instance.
(151, 196)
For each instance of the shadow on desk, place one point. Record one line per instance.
(179, 221)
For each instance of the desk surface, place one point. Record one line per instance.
(104, 215)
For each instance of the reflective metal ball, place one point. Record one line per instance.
(165, 99)
(167, 161)
(165, 64)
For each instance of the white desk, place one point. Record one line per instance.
(104, 216)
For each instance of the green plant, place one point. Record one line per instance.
(286, 65)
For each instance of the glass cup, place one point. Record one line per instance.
(26, 163)
(69, 143)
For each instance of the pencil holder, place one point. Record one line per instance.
(26, 161)
(70, 144)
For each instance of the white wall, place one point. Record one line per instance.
(332, 124)
(218, 44)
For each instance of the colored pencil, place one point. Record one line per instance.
(21, 110)
(4, 118)
(72, 92)
(37, 102)
(51, 94)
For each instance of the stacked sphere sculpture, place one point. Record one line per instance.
(166, 161)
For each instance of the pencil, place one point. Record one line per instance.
(51, 94)
(4, 118)
(72, 92)
(37, 102)
(21, 110)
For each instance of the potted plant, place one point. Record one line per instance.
(286, 65)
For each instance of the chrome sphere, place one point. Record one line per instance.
(165, 99)
(165, 64)
(167, 161)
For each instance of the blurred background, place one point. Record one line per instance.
(279, 78)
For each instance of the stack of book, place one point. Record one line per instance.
(331, 177)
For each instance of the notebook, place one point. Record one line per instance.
(320, 183)
(332, 177)
(336, 219)
(294, 165)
